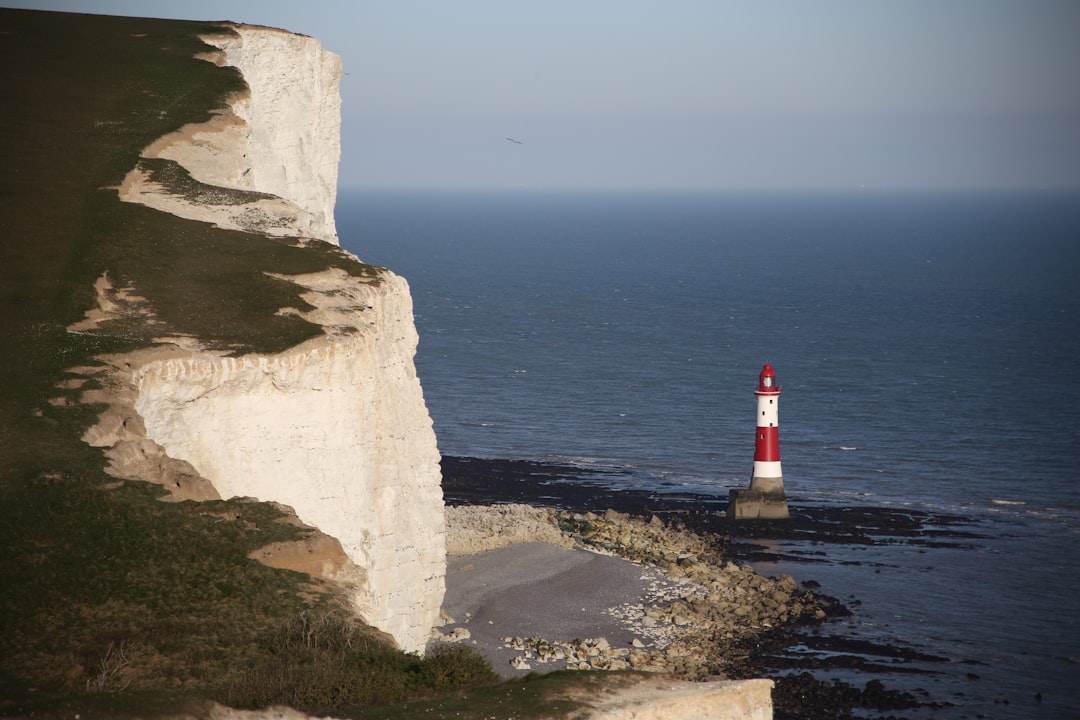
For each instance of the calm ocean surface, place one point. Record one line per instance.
(928, 348)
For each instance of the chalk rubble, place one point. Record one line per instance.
(689, 625)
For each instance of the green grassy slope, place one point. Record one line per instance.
(105, 588)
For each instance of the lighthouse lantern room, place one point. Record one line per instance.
(765, 499)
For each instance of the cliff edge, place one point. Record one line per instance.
(336, 427)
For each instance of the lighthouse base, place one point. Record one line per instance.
(765, 500)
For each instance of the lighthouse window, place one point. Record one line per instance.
(766, 381)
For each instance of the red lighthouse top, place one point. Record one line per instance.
(767, 381)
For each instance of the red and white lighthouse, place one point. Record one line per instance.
(765, 498)
(767, 476)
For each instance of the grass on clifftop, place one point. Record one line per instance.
(113, 602)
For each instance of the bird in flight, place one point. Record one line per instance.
(517, 142)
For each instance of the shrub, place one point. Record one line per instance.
(452, 667)
(325, 660)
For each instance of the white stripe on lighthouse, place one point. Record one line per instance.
(768, 411)
(766, 469)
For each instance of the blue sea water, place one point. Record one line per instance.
(927, 346)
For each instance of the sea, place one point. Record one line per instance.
(927, 346)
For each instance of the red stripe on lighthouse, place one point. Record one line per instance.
(767, 445)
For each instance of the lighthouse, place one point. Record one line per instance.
(765, 499)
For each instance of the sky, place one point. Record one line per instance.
(688, 94)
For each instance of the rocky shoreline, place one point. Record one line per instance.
(717, 617)
(693, 625)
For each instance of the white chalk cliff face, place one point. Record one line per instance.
(282, 139)
(337, 427)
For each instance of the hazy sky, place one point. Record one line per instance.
(689, 93)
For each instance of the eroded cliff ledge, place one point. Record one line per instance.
(335, 428)
(271, 156)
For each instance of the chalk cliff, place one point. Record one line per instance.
(276, 147)
(336, 427)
